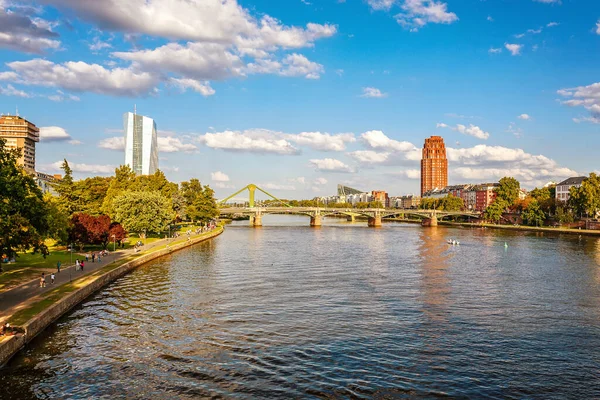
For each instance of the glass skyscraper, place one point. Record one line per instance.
(141, 144)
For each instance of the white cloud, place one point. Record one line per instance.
(223, 185)
(471, 130)
(371, 92)
(98, 45)
(410, 173)
(381, 4)
(370, 156)
(75, 142)
(495, 50)
(203, 88)
(525, 117)
(598, 27)
(113, 143)
(322, 141)
(584, 96)
(171, 144)
(219, 176)
(418, 13)
(10, 90)
(378, 140)
(551, 24)
(320, 181)
(489, 18)
(21, 32)
(62, 96)
(293, 65)
(275, 186)
(515, 49)
(86, 168)
(330, 165)
(53, 134)
(80, 76)
(252, 141)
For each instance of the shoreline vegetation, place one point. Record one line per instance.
(41, 311)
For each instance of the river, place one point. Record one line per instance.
(342, 311)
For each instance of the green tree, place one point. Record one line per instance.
(564, 215)
(90, 194)
(508, 191)
(451, 203)
(57, 218)
(586, 198)
(23, 213)
(533, 214)
(65, 188)
(143, 212)
(495, 210)
(204, 208)
(122, 181)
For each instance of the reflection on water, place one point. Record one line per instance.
(343, 311)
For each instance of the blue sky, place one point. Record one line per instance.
(297, 96)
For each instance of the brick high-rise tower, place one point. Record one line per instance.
(434, 165)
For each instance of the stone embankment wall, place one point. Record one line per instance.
(10, 345)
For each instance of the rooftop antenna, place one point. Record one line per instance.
(17, 111)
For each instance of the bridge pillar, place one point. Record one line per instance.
(434, 220)
(256, 221)
(351, 218)
(375, 222)
(315, 220)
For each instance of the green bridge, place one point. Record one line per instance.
(316, 214)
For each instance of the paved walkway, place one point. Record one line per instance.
(13, 299)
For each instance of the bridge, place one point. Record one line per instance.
(316, 214)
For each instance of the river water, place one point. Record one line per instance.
(342, 311)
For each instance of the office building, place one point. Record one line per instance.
(141, 144)
(434, 165)
(20, 134)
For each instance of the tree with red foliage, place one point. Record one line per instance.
(88, 229)
(118, 232)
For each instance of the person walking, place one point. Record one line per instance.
(58, 267)
(43, 280)
(81, 265)
(93, 256)
(77, 265)
(87, 257)
(99, 257)
(52, 278)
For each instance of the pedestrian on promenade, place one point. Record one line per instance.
(43, 280)
(58, 266)
(87, 257)
(99, 257)
(81, 265)
(93, 256)
(77, 265)
(52, 278)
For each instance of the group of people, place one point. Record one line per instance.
(43, 279)
(79, 265)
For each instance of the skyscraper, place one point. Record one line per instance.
(20, 134)
(434, 165)
(141, 144)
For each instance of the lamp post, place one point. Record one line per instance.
(114, 242)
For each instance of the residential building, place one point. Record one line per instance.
(563, 188)
(434, 165)
(20, 134)
(141, 144)
(381, 196)
(410, 201)
(485, 194)
(470, 198)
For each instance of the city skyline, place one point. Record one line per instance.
(512, 96)
(141, 147)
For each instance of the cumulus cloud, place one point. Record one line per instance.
(320, 181)
(471, 130)
(251, 141)
(322, 141)
(171, 144)
(62, 96)
(584, 96)
(598, 27)
(330, 165)
(219, 176)
(371, 92)
(53, 134)
(113, 143)
(21, 32)
(10, 90)
(410, 173)
(217, 37)
(203, 88)
(84, 77)
(418, 13)
(370, 156)
(495, 50)
(525, 117)
(515, 49)
(85, 168)
(378, 140)
(381, 4)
